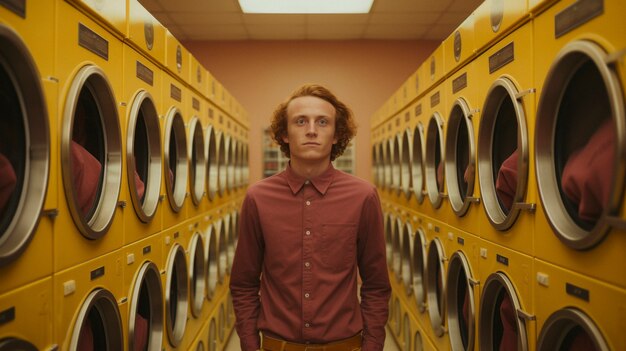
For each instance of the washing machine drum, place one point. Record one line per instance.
(12, 344)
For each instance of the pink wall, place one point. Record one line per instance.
(261, 74)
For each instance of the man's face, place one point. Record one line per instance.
(310, 129)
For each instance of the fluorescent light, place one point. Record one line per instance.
(306, 6)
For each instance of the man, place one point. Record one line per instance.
(305, 233)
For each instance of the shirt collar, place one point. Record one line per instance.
(320, 183)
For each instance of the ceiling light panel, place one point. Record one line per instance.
(305, 6)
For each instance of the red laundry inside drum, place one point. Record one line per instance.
(8, 181)
(86, 175)
(506, 182)
(141, 333)
(586, 178)
(139, 185)
(85, 338)
(509, 328)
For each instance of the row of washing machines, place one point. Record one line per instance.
(501, 164)
(123, 164)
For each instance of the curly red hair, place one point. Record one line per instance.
(345, 127)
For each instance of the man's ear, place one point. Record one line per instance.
(286, 138)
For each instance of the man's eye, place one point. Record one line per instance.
(323, 122)
(300, 122)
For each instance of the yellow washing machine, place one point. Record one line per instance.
(396, 170)
(198, 308)
(142, 312)
(396, 245)
(89, 64)
(390, 227)
(222, 253)
(418, 304)
(581, 97)
(417, 146)
(405, 163)
(575, 312)
(406, 254)
(462, 290)
(505, 164)
(535, 7)
(27, 317)
(210, 143)
(86, 304)
(145, 32)
(222, 329)
(230, 159)
(459, 47)
(505, 318)
(198, 77)
(212, 334)
(496, 18)
(211, 257)
(232, 166)
(223, 153)
(201, 342)
(197, 165)
(144, 159)
(460, 159)
(176, 287)
(175, 153)
(176, 58)
(110, 13)
(434, 70)
(376, 160)
(434, 155)
(436, 272)
(28, 202)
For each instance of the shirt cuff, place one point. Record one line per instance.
(250, 343)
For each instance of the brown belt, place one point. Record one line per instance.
(350, 344)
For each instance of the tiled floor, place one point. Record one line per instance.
(233, 343)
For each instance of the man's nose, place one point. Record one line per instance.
(312, 129)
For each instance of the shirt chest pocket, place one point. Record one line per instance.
(338, 246)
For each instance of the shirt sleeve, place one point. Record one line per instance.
(375, 290)
(245, 276)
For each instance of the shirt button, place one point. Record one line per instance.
(307, 325)
(308, 232)
(306, 182)
(308, 202)
(307, 264)
(307, 295)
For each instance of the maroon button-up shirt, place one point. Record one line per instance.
(301, 245)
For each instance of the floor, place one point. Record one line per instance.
(233, 343)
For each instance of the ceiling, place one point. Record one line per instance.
(197, 20)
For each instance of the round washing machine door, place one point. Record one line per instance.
(570, 329)
(417, 163)
(197, 275)
(143, 156)
(503, 154)
(13, 344)
(211, 256)
(145, 316)
(176, 159)
(24, 146)
(405, 164)
(436, 287)
(580, 143)
(211, 162)
(460, 302)
(91, 152)
(176, 295)
(418, 259)
(500, 327)
(434, 165)
(197, 166)
(98, 325)
(460, 155)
